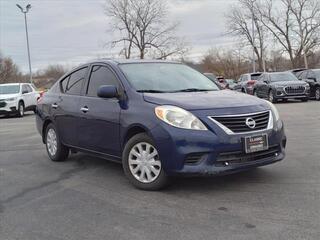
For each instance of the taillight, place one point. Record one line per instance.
(41, 96)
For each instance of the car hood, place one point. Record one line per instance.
(288, 83)
(207, 100)
(5, 96)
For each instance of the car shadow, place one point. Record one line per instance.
(26, 114)
(185, 184)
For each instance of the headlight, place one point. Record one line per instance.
(11, 99)
(179, 117)
(274, 111)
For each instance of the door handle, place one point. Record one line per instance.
(84, 109)
(54, 105)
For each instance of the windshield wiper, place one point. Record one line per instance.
(150, 91)
(194, 90)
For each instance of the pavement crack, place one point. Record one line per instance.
(63, 176)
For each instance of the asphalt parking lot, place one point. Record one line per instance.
(90, 198)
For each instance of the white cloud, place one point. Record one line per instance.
(75, 31)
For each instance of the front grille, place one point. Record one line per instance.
(229, 158)
(238, 123)
(291, 90)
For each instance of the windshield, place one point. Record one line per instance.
(9, 89)
(278, 77)
(166, 77)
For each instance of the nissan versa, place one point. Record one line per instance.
(159, 119)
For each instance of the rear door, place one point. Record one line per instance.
(67, 106)
(99, 128)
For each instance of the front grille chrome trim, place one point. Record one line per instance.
(230, 132)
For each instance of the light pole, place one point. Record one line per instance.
(253, 38)
(25, 11)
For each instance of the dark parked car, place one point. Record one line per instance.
(159, 119)
(246, 82)
(297, 71)
(312, 76)
(281, 85)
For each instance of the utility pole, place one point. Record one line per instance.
(253, 38)
(25, 11)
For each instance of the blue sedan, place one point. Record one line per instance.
(159, 119)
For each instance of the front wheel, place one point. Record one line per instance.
(271, 97)
(56, 150)
(142, 165)
(21, 109)
(317, 94)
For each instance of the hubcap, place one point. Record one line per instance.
(21, 110)
(52, 142)
(144, 163)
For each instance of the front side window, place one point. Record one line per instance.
(100, 75)
(73, 84)
(9, 89)
(166, 77)
(278, 77)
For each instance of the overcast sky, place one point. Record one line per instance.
(75, 31)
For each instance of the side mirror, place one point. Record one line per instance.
(24, 91)
(108, 91)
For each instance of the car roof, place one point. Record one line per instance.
(127, 61)
(8, 84)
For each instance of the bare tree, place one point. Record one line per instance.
(143, 26)
(294, 24)
(239, 21)
(9, 71)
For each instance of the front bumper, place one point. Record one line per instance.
(7, 107)
(187, 152)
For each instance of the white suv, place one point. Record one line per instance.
(18, 98)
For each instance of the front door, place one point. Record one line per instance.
(99, 126)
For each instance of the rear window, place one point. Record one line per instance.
(255, 76)
(72, 84)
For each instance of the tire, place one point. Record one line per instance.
(271, 97)
(243, 90)
(144, 173)
(21, 109)
(58, 153)
(317, 94)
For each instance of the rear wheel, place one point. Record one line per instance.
(317, 94)
(56, 150)
(21, 109)
(142, 165)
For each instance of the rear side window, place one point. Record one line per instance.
(73, 83)
(29, 88)
(100, 75)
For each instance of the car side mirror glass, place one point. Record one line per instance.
(24, 91)
(108, 91)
